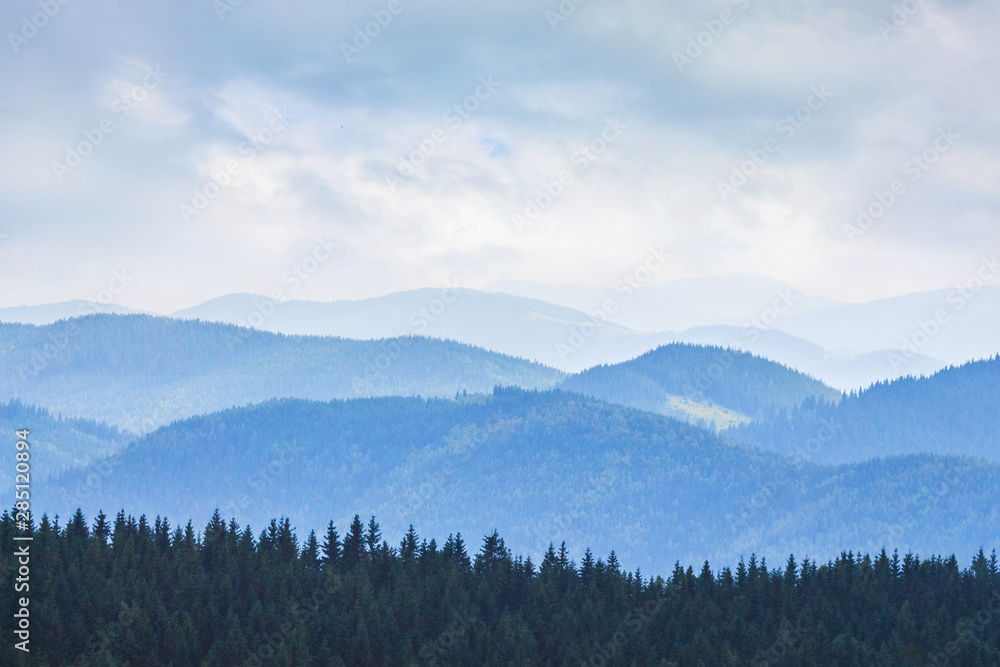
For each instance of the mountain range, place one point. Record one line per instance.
(139, 372)
(572, 328)
(538, 466)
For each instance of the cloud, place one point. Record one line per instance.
(357, 124)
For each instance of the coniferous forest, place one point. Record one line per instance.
(134, 592)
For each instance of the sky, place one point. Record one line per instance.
(175, 152)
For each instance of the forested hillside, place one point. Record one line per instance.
(57, 444)
(682, 380)
(139, 372)
(538, 466)
(141, 592)
(955, 411)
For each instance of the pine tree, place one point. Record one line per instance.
(331, 547)
(354, 543)
(373, 537)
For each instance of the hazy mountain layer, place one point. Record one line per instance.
(675, 379)
(56, 445)
(844, 371)
(539, 467)
(956, 411)
(554, 335)
(139, 372)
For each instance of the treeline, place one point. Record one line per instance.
(134, 592)
(952, 412)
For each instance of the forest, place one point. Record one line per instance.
(127, 591)
(952, 412)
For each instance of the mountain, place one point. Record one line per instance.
(955, 325)
(844, 371)
(139, 372)
(538, 466)
(56, 444)
(702, 384)
(955, 411)
(679, 304)
(53, 312)
(910, 333)
(560, 337)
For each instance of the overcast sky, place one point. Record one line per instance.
(668, 96)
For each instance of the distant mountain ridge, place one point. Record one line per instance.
(139, 372)
(679, 304)
(843, 371)
(522, 327)
(572, 328)
(53, 312)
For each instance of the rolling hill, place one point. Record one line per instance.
(705, 385)
(537, 466)
(57, 444)
(845, 371)
(955, 411)
(139, 372)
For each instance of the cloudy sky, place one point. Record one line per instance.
(212, 148)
